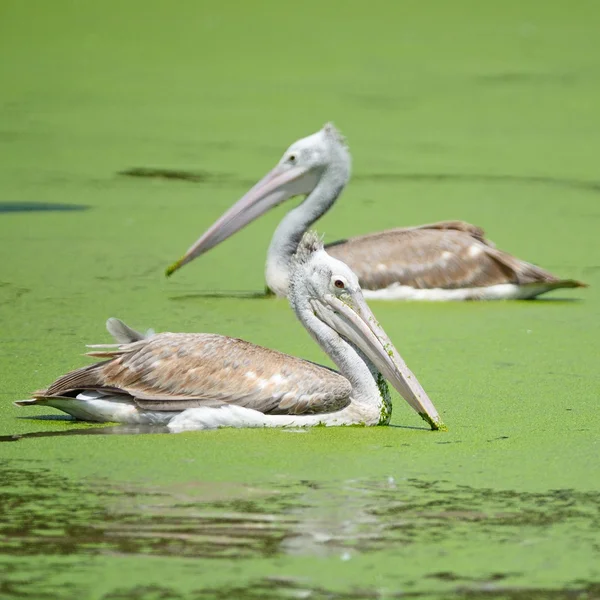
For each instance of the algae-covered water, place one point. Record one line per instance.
(486, 112)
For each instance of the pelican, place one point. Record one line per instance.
(192, 381)
(449, 260)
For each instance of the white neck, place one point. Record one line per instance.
(369, 389)
(289, 232)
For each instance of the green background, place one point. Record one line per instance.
(481, 111)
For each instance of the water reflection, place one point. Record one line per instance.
(42, 513)
(274, 588)
(305, 518)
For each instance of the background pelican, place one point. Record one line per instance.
(449, 260)
(200, 381)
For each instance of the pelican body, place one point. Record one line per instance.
(190, 381)
(449, 260)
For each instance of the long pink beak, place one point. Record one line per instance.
(358, 324)
(278, 185)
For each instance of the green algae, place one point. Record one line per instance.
(386, 400)
(482, 113)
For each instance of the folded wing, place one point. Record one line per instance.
(447, 255)
(177, 371)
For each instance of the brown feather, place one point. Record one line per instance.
(447, 255)
(175, 371)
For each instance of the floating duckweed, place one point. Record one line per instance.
(385, 413)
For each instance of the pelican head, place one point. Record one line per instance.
(298, 173)
(325, 287)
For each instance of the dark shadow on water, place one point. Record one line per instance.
(67, 418)
(108, 430)
(578, 184)
(235, 295)
(225, 178)
(177, 174)
(549, 300)
(185, 175)
(13, 207)
(410, 427)
(115, 429)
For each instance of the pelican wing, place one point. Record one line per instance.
(449, 255)
(176, 371)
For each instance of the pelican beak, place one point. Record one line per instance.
(353, 319)
(283, 182)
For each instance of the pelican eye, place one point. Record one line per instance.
(292, 158)
(339, 284)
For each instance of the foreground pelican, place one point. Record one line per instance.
(201, 381)
(450, 260)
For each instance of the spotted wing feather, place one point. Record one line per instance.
(176, 371)
(448, 255)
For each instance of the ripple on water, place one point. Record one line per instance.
(42, 513)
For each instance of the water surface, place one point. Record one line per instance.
(127, 128)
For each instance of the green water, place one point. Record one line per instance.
(486, 112)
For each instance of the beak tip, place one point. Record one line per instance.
(170, 270)
(435, 424)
